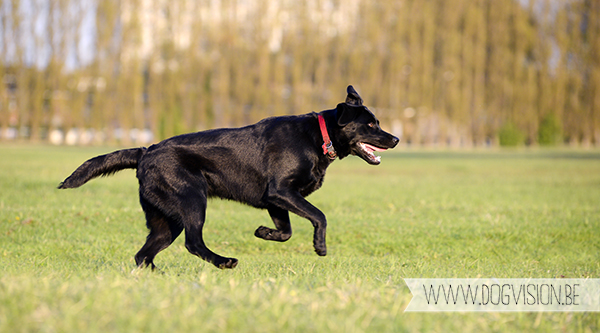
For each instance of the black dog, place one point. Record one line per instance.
(272, 164)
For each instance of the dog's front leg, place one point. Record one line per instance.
(294, 202)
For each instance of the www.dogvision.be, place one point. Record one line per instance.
(504, 294)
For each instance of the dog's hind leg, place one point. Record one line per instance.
(193, 222)
(196, 246)
(281, 219)
(163, 231)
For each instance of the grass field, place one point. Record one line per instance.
(66, 257)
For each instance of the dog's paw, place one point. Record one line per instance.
(272, 234)
(322, 251)
(228, 263)
(263, 232)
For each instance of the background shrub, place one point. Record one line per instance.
(550, 131)
(510, 135)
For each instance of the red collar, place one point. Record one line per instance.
(327, 145)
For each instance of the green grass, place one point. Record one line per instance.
(66, 257)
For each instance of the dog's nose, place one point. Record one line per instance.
(395, 141)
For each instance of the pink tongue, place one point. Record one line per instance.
(374, 148)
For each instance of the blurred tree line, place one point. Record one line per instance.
(437, 72)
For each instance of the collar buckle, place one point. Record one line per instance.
(329, 150)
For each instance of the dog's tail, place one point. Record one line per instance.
(104, 165)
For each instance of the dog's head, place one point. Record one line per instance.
(360, 129)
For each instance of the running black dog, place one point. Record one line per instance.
(272, 165)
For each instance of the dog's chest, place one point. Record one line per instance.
(311, 187)
(313, 182)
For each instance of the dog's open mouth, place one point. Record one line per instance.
(369, 152)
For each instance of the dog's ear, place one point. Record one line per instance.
(345, 113)
(353, 97)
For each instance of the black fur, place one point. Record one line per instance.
(272, 165)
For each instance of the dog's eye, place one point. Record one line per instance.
(371, 125)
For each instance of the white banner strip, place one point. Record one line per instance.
(499, 295)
